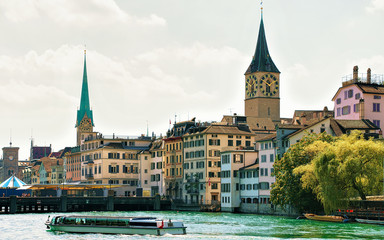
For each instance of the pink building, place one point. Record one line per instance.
(361, 97)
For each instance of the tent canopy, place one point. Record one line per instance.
(12, 182)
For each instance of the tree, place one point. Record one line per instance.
(288, 188)
(347, 168)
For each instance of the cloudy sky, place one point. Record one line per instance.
(150, 60)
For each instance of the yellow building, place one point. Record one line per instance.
(202, 148)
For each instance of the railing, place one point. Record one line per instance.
(362, 77)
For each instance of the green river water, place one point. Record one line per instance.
(200, 226)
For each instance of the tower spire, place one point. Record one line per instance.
(262, 61)
(84, 101)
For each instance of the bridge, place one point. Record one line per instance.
(14, 204)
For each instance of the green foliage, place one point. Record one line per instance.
(346, 168)
(288, 188)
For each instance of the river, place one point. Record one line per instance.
(200, 226)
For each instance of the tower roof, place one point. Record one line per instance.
(85, 108)
(262, 61)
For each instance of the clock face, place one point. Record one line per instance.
(251, 86)
(85, 125)
(269, 85)
(10, 158)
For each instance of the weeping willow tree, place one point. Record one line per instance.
(344, 169)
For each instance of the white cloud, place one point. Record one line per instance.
(375, 6)
(45, 88)
(74, 13)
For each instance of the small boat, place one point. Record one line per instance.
(115, 225)
(326, 218)
(370, 221)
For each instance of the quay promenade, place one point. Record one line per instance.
(14, 204)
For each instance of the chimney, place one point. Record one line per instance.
(362, 108)
(369, 76)
(355, 73)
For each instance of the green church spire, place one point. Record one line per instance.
(262, 61)
(85, 108)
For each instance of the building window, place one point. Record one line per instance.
(338, 101)
(238, 142)
(356, 107)
(263, 158)
(376, 107)
(271, 158)
(338, 111)
(376, 97)
(113, 168)
(346, 110)
(230, 142)
(357, 96)
(377, 123)
(350, 93)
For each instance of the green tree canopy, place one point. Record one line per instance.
(347, 168)
(288, 188)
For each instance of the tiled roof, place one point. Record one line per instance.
(230, 129)
(39, 152)
(363, 124)
(157, 144)
(250, 167)
(305, 128)
(371, 88)
(260, 124)
(261, 138)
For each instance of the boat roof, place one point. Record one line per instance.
(105, 217)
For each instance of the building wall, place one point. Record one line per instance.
(156, 172)
(349, 97)
(173, 166)
(266, 160)
(345, 101)
(317, 128)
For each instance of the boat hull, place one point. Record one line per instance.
(369, 221)
(325, 218)
(118, 230)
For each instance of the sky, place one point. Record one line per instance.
(151, 61)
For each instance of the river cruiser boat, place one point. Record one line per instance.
(115, 225)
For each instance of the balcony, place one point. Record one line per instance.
(89, 176)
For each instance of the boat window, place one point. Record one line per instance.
(143, 224)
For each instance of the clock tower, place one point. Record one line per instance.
(262, 82)
(84, 121)
(10, 162)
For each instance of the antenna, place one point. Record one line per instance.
(10, 137)
(147, 129)
(261, 7)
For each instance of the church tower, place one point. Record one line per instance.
(84, 121)
(262, 82)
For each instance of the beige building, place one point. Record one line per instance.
(112, 159)
(202, 149)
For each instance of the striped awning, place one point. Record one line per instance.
(12, 182)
